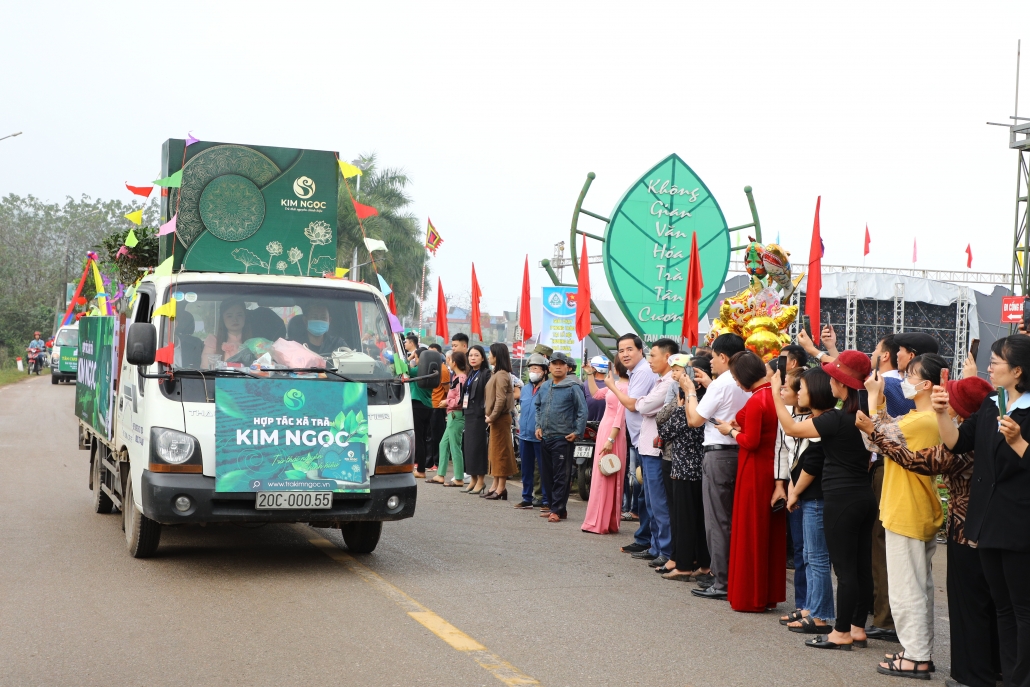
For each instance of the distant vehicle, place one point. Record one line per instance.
(64, 359)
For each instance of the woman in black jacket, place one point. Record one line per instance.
(998, 518)
(474, 447)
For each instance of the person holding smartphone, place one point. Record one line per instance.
(998, 518)
(758, 547)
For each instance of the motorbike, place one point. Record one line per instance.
(36, 357)
(583, 457)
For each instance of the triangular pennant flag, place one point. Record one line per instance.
(364, 211)
(124, 250)
(583, 324)
(140, 190)
(168, 227)
(164, 269)
(525, 316)
(190, 140)
(166, 355)
(399, 365)
(131, 241)
(383, 286)
(166, 310)
(442, 329)
(349, 170)
(341, 272)
(393, 304)
(174, 181)
(395, 325)
(137, 219)
(374, 244)
(865, 249)
(475, 319)
(969, 255)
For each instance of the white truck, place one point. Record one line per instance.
(223, 431)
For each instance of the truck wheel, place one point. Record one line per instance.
(361, 537)
(142, 535)
(54, 379)
(583, 481)
(101, 501)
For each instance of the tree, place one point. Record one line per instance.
(387, 191)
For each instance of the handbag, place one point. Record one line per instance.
(609, 464)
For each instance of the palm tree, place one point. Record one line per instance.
(387, 191)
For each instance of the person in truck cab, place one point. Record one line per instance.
(318, 338)
(230, 333)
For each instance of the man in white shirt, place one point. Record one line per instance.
(723, 400)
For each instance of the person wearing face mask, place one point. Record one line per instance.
(529, 445)
(316, 316)
(604, 509)
(910, 509)
(975, 660)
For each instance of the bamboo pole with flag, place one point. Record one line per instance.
(583, 325)
(695, 285)
(525, 314)
(474, 318)
(815, 276)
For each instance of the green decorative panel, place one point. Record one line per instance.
(647, 247)
(255, 209)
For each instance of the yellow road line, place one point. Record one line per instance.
(458, 640)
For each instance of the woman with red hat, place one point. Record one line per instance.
(974, 628)
(998, 517)
(849, 507)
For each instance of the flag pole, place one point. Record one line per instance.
(422, 297)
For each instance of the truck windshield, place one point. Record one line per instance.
(67, 337)
(229, 325)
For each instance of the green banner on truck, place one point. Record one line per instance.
(95, 374)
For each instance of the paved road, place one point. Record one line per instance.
(466, 593)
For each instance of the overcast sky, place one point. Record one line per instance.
(497, 111)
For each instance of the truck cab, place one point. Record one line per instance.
(264, 399)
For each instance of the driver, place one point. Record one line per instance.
(37, 343)
(318, 338)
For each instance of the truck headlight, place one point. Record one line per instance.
(396, 453)
(174, 451)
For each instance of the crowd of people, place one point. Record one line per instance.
(732, 469)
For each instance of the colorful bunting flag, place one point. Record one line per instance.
(173, 181)
(164, 269)
(364, 211)
(374, 244)
(433, 238)
(341, 272)
(124, 250)
(383, 286)
(349, 170)
(166, 310)
(190, 140)
(136, 218)
(393, 304)
(131, 241)
(144, 191)
(166, 355)
(168, 227)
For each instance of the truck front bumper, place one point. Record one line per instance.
(159, 492)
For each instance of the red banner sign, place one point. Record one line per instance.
(1011, 309)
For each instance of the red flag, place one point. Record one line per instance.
(140, 190)
(477, 328)
(441, 312)
(165, 355)
(525, 316)
(695, 284)
(969, 255)
(393, 304)
(815, 276)
(364, 211)
(583, 326)
(913, 251)
(865, 251)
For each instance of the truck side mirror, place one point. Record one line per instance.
(141, 343)
(429, 362)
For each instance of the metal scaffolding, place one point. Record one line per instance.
(961, 332)
(899, 307)
(795, 326)
(851, 323)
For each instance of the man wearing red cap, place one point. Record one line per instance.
(974, 636)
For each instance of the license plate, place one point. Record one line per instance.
(584, 451)
(293, 500)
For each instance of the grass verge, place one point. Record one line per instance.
(11, 375)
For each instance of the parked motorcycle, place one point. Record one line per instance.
(583, 455)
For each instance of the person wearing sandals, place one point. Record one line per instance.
(561, 416)
(910, 509)
(500, 401)
(685, 447)
(473, 402)
(975, 660)
(450, 444)
(758, 547)
(805, 496)
(529, 446)
(788, 451)
(604, 508)
(849, 507)
(998, 517)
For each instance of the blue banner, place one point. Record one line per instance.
(559, 321)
